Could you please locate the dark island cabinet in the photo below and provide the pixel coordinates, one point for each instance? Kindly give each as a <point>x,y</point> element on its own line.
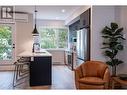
<point>41,71</point>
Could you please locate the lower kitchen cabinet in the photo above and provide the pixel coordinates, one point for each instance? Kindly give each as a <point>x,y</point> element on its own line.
<point>41,71</point>
<point>70,59</point>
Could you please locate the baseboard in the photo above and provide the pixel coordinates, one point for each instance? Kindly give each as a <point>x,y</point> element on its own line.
<point>6,67</point>
<point>57,63</point>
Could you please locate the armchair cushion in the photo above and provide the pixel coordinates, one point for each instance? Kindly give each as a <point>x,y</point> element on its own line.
<point>92,80</point>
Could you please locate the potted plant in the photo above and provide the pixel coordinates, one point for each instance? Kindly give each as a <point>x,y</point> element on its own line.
<point>113,38</point>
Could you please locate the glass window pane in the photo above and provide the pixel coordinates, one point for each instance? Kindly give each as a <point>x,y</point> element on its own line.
<point>5,43</point>
<point>48,38</point>
<point>63,38</point>
<point>53,37</point>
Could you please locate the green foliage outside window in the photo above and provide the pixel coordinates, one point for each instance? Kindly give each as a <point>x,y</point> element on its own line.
<point>62,38</point>
<point>53,37</point>
<point>5,42</point>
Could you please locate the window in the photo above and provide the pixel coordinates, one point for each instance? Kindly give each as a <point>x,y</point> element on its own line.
<point>53,37</point>
<point>5,43</point>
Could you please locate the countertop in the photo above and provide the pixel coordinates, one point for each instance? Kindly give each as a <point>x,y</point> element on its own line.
<point>70,51</point>
<point>37,54</point>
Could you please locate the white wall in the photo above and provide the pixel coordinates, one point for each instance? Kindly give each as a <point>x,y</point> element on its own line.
<point>121,19</point>
<point>51,23</point>
<point>101,16</point>
<point>24,38</point>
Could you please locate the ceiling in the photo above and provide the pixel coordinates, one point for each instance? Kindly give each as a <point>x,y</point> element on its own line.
<point>49,12</point>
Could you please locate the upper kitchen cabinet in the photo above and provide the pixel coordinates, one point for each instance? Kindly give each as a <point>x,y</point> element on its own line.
<point>82,22</point>
<point>85,19</point>
<point>75,26</point>
<point>72,30</point>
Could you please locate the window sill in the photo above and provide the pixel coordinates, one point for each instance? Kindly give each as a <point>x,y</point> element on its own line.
<point>56,49</point>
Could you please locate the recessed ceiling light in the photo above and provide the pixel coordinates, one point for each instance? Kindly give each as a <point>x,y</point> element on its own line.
<point>63,10</point>
<point>57,18</point>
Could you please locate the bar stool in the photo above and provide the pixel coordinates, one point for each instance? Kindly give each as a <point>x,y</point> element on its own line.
<point>21,70</point>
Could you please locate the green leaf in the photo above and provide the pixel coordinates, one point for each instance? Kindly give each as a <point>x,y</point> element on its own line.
<point>106,31</point>
<point>113,44</point>
<point>104,43</point>
<point>106,36</point>
<point>104,47</point>
<point>115,53</point>
<point>108,53</point>
<point>109,63</point>
<point>118,31</point>
<point>121,37</point>
<point>116,61</point>
<point>119,62</point>
<point>120,47</point>
<point>114,26</point>
<point>113,39</point>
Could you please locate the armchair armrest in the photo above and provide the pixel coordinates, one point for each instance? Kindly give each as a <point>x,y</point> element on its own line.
<point>78,75</point>
<point>106,78</point>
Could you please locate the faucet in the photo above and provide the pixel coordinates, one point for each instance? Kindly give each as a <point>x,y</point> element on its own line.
<point>35,48</point>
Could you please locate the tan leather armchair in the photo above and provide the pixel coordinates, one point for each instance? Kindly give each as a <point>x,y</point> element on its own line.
<point>92,75</point>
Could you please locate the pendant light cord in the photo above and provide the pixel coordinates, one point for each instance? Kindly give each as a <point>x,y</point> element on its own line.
<point>35,32</point>
<point>35,14</point>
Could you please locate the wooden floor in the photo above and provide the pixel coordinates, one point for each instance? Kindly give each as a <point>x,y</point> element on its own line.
<point>62,78</point>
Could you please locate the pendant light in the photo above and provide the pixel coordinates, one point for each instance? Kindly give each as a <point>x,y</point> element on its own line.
<point>35,32</point>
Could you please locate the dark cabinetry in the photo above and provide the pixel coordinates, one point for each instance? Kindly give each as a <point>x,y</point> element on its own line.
<point>72,30</point>
<point>85,19</point>
<point>75,26</point>
<point>40,71</point>
<point>81,31</point>
<point>70,59</point>
<point>83,22</point>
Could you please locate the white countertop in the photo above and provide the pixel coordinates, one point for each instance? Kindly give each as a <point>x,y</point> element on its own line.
<point>30,54</point>
<point>70,51</point>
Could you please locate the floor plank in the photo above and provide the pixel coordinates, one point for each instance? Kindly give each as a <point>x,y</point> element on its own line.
<point>62,78</point>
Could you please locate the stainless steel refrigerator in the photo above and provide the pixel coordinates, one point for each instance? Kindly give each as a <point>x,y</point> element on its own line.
<point>82,44</point>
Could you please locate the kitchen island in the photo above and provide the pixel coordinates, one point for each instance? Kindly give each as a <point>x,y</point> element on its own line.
<point>40,67</point>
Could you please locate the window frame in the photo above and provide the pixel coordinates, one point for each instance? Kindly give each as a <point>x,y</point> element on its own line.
<point>57,35</point>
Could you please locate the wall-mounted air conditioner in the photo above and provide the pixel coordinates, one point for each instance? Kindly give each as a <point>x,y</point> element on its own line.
<point>21,17</point>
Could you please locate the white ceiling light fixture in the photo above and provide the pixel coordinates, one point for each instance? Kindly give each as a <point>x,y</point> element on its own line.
<point>57,18</point>
<point>63,10</point>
